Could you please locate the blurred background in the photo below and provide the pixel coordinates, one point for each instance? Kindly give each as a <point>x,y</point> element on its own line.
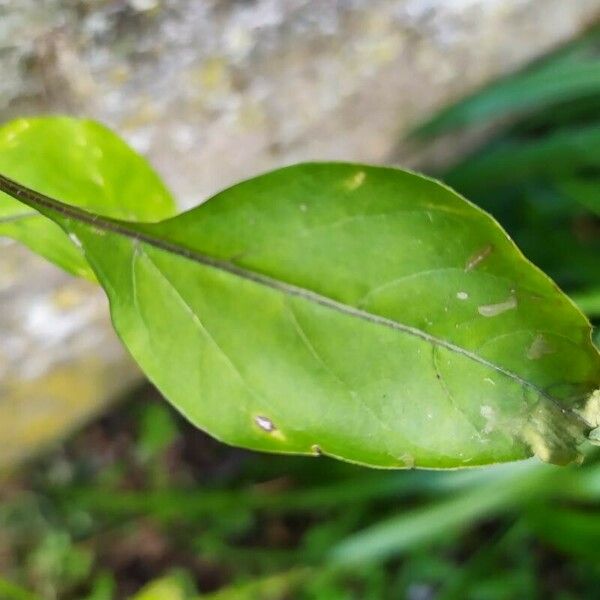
<point>106,493</point>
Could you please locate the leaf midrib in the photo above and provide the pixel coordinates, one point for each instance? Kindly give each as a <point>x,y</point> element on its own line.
<point>37,201</point>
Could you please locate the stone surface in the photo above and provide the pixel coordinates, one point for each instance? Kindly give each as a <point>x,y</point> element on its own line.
<point>212,92</point>
<point>59,360</point>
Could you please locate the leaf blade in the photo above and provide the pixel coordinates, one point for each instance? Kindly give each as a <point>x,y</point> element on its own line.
<point>290,364</point>
<point>85,164</point>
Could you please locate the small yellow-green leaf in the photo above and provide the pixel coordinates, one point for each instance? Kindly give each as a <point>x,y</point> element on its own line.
<point>84,164</point>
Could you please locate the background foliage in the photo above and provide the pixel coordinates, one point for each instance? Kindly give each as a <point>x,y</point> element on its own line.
<point>140,503</point>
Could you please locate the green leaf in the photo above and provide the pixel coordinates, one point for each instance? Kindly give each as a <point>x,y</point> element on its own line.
<point>585,192</point>
<point>570,530</point>
<point>361,312</point>
<point>515,161</point>
<point>11,591</point>
<point>83,163</point>
<point>419,526</point>
<point>170,587</point>
<point>569,75</point>
<point>273,587</point>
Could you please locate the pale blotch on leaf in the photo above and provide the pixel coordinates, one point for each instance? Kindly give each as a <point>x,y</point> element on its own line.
<point>489,414</point>
<point>591,410</point>
<point>303,207</point>
<point>316,450</point>
<point>15,130</point>
<point>355,181</point>
<point>265,423</point>
<point>539,347</point>
<point>98,179</point>
<point>492,310</point>
<point>462,295</point>
<point>478,257</point>
<point>75,240</point>
<point>553,435</point>
<point>538,445</point>
<point>408,460</point>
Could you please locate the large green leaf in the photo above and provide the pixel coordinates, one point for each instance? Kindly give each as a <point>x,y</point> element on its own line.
<point>362,312</point>
<point>83,163</point>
